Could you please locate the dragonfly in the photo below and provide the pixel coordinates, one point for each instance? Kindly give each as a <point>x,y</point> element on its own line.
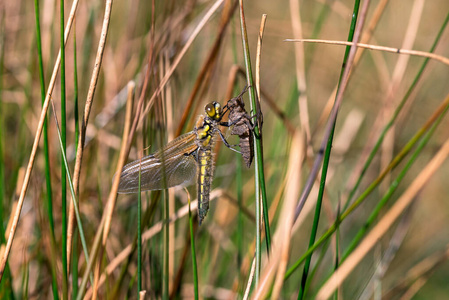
<point>180,160</point>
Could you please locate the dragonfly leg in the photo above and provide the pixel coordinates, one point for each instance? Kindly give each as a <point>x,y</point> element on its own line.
<point>226,142</point>
<point>246,117</point>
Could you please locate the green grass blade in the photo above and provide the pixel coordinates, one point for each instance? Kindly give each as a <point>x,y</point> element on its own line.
<point>166,294</point>
<point>193,250</point>
<point>394,185</point>
<point>259,170</point>
<point>6,284</point>
<point>49,199</point>
<point>337,247</point>
<point>396,160</point>
<point>316,218</point>
<point>75,200</point>
<point>139,238</point>
<point>396,113</point>
<point>75,264</point>
<point>326,160</point>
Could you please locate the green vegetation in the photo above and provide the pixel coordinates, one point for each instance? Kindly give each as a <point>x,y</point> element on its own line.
<point>341,185</point>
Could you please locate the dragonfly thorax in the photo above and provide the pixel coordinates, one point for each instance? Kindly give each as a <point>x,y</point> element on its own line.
<point>205,129</point>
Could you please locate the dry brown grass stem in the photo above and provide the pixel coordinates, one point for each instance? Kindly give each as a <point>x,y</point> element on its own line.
<point>85,120</point>
<point>421,270</point>
<point>121,162</point>
<point>389,102</point>
<point>142,295</point>
<point>300,69</point>
<point>384,225</point>
<point>250,257</point>
<point>204,74</point>
<point>334,113</point>
<point>181,54</point>
<point>259,54</point>
<point>37,137</point>
<point>430,55</point>
<point>366,37</point>
<point>122,159</point>
<point>297,156</point>
<point>258,60</point>
<point>414,288</point>
<point>275,270</point>
<point>250,279</point>
<point>232,77</point>
<point>156,228</point>
<point>238,70</point>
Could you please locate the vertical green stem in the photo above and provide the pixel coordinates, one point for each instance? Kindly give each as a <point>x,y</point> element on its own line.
<point>63,172</point>
<point>193,249</point>
<point>75,263</point>
<point>49,197</point>
<point>337,247</point>
<point>394,185</point>
<point>316,219</point>
<point>6,283</point>
<point>139,237</point>
<point>326,159</point>
<point>259,169</point>
<point>77,133</point>
<point>166,246</point>
<point>391,122</point>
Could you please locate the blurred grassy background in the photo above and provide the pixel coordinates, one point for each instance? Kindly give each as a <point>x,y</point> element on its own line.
<point>219,253</point>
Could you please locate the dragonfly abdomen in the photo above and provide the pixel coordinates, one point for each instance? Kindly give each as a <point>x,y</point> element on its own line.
<point>205,131</point>
<point>205,174</point>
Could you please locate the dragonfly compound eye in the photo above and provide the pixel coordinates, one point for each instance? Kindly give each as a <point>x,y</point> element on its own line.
<point>210,110</point>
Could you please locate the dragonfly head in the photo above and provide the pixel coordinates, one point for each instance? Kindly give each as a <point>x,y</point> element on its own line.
<point>213,110</point>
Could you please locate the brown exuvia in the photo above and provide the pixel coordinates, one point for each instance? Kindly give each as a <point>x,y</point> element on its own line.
<point>242,126</point>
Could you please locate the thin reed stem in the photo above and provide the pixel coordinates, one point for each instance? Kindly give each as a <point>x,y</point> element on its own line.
<point>64,146</point>
<point>49,200</point>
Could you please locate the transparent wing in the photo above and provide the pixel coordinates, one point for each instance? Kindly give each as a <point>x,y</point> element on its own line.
<point>168,167</point>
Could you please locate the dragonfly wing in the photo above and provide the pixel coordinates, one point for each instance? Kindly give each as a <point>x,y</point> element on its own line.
<point>170,166</point>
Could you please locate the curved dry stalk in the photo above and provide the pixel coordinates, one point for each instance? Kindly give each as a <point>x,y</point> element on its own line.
<point>37,137</point>
<point>275,270</point>
<point>434,56</point>
<point>87,109</point>
<point>245,265</point>
<point>189,42</point>
<point>366,37</point>
<point>121,162</point>
<point>258,55</point>
<point>389,102</point>
<point>334,113</point>
<point>382,227</point>
<point>422,270</point>
<point>238,70</point>
<point>250,279</point>
<point>156,228</point>
<point>204,73</point>
<point>300,70</point>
